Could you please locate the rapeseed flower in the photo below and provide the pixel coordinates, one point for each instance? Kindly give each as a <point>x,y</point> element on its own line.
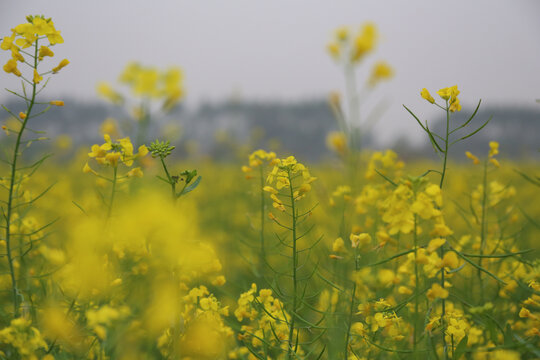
<point>426,95</point>
<point>381,71</point>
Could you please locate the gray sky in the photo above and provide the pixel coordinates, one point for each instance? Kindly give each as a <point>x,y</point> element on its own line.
<point>275,49</point>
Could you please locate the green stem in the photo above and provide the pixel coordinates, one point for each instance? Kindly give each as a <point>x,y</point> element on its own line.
<point>351,308</point>
<point>483,230</point>
<point>443,173</point>
<point>292,352</point>
<point>416,295</point>
<point>441,251</point>
<point>13,173</point>
<point>113,192</point>
<point>144,122</point>
<point>352,101</point>
<point>171,181</point>
<point>263,251</point>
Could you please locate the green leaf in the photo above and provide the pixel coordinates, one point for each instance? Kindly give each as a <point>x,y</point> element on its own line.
<point>460,349</point>
<point>415,117</point>
<point>432,139</point>
<point>461,255</point>
<point>190,187</point>
<point>508,336</point>
<point>468,121</point>
<point>79,206</point>
<point>528,178</point>
<point>474,132</point>
<point>163,179</point>
<point>385,178</point>
<point>189,174</point>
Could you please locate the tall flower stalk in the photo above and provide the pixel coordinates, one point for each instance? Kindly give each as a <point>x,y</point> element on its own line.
<point>162,149</point>
<point>24,44</point>
<point>441,144</point>
<point>112,154</point>
<point>289,182</point>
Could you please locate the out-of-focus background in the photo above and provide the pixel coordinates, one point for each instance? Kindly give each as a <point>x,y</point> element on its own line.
<point>260,70</point>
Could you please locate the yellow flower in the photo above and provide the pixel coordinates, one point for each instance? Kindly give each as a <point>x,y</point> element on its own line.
<point>105,90</point>
<point>440,229</point>
<point>437,291</point>
<point>142,151</point>
<point>57,103</point>
<point>11,67</point>
<point>455,105</point>
<point>426,95</point>
<point>338,245</point>
<point>172,89</point>
<point>60,66</point>
<point>472,157</point>
<point>424,207</point>
<point>22,115</point>
<point>37,77</point>
<point>342,33</point>
<point>334,49</point>
<point>41,26</point>
<point>495,162</point>
<point>450,260</point>
<point>45,51</point>
<point>97,151</point>
<point>112,158</point>
<point>524,313</point>
<point>135,172</point>
<point>493,148</point>
<point>381,71</point>
<point>364,42</point>
<point>7,43</point>
<point>448,93</point>
<point>434,244</point>
<point>270,189</point>
<point>361,239</point>
<point>337,141</point>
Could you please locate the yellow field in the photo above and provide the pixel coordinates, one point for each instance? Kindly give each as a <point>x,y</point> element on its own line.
<point>121,254</point>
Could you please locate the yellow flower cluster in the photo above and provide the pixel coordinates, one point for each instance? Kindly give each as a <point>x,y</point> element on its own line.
<point>355,47</point>
<point>351,49</point>
<point>147,83</point>
<point>386,163</point>
<point>100,318</point>
<point>337,142</point>
<point>282,175</point>
<point>111,152</point>
<point>381,319</point>
<point>493,150</point>
<point>22,336</point>
<point>258,158</point>
<point>532,317</point>
<point>381,71</point>
<point>448,94</point>
<point>268,318</point>
<point>26,35</point>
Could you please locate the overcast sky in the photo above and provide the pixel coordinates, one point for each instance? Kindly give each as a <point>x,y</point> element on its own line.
<point>275,49</point>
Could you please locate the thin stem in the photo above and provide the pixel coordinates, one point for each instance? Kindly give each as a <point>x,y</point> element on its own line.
<point>113,192</point>
<point>171,181</point>
<point>352,101</point>
<point>441,251</point>
<point>144,121</point>
<point>351,308</point>
<point>9,210</point>
<point>292,352</point>
<point>443,173</point>
<point>416,295</point>
<point>483,230</point>
<point>262,251</point>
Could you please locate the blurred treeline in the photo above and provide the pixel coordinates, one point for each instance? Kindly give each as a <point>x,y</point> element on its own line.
<point>225,130</point>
